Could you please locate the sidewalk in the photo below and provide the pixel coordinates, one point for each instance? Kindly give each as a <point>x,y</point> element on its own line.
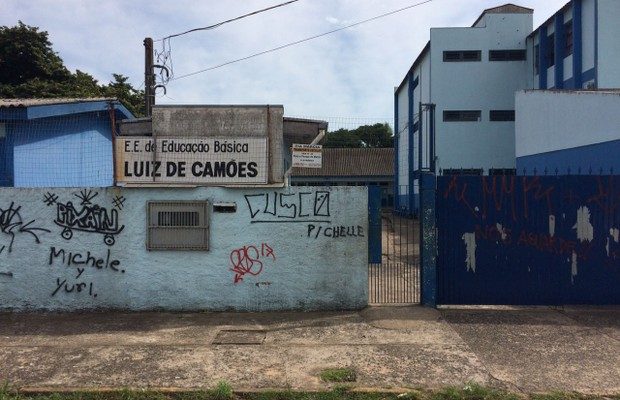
<point>400,347</point>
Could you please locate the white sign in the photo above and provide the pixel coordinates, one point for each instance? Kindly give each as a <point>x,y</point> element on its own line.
<point>201,161</point>
<point>307,155</point>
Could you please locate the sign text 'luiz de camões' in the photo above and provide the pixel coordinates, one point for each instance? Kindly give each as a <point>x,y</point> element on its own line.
<point>200,161</point>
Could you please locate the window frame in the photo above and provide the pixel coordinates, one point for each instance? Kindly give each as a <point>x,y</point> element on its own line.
<point>550,56</point>
<point>463,115</point>
<point>500,115</point>
<point>202,225</point>
<point>507,55</point>
<point>461,55</point>
<point>569,39</point>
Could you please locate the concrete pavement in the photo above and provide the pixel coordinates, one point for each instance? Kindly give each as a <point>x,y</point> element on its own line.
<point>390,347</point>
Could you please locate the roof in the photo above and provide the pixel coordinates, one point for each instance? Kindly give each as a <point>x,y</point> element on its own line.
<point>302,130</point>
<point>25,109</point>
<point>43,102</point>
<point>353,162</point>
<point>508,8</point>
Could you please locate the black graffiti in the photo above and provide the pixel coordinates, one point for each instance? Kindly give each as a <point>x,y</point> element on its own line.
<point>90,218</point>
<point>12,224</point>
<point>118,202</point>
<point>49,198</point>
<point>78,287</point>
<point>289,207</point>
<point>86,196</point>
<point>80,259</point>
<point>335,232</point>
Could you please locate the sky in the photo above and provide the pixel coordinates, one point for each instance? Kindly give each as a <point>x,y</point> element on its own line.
<point>349,75</point>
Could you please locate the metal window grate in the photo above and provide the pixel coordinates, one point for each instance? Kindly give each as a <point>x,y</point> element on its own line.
<point>502,115</point>
<point>462,55</point>
<point>507,55</point>
<point>462,116</point>
<point>177,225</point>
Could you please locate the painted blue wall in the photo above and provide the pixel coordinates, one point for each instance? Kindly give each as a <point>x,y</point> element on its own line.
<point>595,157</point>
<point>66,151</point>
<point>528,240</point>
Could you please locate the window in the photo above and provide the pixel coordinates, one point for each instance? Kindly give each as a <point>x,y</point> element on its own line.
<point>568,38</point>
<point>551,50</point>
<point>177,225</point>
<point>502,115</point>
<point>507,55</point>
<point>462,55</point>
<point>461,116</point>
<point>468,171</point>
<point>536,59</point>
<point>502,171</point>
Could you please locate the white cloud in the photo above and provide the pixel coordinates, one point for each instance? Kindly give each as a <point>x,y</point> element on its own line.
<point>349,73</point>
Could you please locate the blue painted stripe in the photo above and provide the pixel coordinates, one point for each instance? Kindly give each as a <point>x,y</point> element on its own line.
<point>396,151</point>
<point>596,43</point>
<point>591,157</point>
<point>559,51</point>
<point>589,75</point>
<point>577,45</point>
<point>542,58</point>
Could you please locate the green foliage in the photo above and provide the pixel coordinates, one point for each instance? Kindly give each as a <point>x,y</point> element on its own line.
<point>30,68</point>
<point>377,135</point>
<point>338,375</point>
<point>222,391</point>
<point>473,391</point>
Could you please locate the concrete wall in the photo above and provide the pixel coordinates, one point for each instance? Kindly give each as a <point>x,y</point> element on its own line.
<point>459,85</point>
<point>560,129</point>
<point>297,261</point>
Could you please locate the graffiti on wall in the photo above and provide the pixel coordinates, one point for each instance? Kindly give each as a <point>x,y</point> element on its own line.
<point>250,260</point>
<point>78,262</point>
<point>13,225</point>
<point>87,216</point>
<point>299,207</point>
<point>533,229</point>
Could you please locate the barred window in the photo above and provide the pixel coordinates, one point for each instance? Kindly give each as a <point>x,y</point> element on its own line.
<point>502,115</point>
<point>507,55</point>
<point>462,115</point>
<point>462,55</point>
<point>177,225</point>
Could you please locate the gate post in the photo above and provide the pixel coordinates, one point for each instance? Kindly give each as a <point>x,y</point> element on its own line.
<point>428,240</point>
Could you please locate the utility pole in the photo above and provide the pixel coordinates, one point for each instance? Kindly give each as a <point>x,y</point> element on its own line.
<point>149,76</point>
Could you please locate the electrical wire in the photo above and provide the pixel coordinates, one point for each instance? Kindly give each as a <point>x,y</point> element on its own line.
<point>205,28</point>
<point>299,41</point>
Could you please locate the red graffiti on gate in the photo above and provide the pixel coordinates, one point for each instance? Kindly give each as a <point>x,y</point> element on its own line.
<point>247,260</point>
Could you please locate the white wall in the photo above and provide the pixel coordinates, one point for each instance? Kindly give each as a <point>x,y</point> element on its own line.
<point>556,120</point>
<point>588,35</point>
<point>481,86</point>
<point>609,44</point>
<point>403,139</point>
<point>301,269</point>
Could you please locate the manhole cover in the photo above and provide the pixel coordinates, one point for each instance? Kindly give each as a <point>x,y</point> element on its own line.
<point>240,336</point>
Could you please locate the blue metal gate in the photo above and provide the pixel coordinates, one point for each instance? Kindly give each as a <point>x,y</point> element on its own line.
<point>528,240</point>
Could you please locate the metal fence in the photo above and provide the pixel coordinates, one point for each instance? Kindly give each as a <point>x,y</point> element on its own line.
<point>394,266</point>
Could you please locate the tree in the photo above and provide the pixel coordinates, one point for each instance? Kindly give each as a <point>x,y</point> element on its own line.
<point>377,135</point>
<point>29,67</point>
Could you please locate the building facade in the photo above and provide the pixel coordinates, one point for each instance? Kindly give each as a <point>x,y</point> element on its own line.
<point>563,132</point>
<point>577,48</point>
<point>470,75</point>
<point>58,142</point>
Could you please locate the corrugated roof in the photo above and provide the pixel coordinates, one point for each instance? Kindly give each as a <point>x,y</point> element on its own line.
<point>508,8</point>
<point>47,102</point>
<point>352,162</point>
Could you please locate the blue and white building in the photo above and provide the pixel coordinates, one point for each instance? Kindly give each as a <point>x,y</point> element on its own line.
<point>58,142</point>
<point>577,48</point>
<point>471,75</point>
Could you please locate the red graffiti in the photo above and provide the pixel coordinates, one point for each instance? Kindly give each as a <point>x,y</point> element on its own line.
<point>505,193</point>
<point>460,194</point>
<point>247,260</point>
<point>534,185</point>
<point>605,198</point>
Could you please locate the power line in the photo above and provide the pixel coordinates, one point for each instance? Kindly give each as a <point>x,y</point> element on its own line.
<point>300,41</point>
<point>228,20</point>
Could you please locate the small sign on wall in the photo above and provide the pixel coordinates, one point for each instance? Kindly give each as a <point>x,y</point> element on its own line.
<point>307,155</point>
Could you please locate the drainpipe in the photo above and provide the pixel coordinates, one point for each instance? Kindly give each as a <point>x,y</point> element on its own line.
<point>287,174</point>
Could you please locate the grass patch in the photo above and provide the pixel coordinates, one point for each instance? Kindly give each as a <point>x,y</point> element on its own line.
<point>222,391</point>
<point>338,375</point>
